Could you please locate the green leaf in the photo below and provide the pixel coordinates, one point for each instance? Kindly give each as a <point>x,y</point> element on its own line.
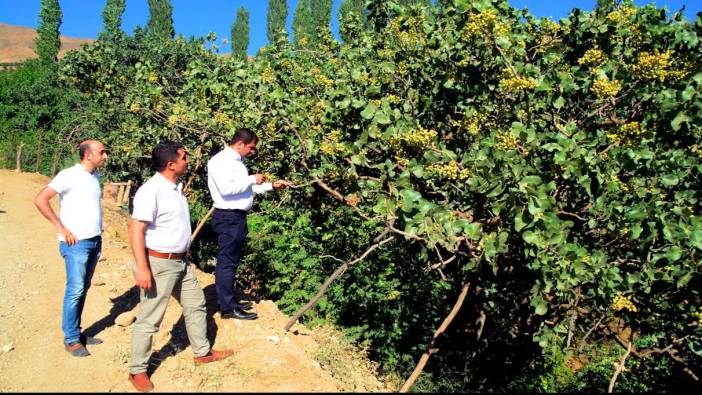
<point>369,111</point>
<point>680,118</point>
<point>670,180</point>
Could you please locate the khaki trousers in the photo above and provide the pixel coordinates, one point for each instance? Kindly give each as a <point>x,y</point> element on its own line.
<point>169,277</point>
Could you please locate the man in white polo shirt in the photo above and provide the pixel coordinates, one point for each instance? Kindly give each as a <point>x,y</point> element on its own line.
<point>232,190</point>
<point>160,236</point>
<point>79,227</point>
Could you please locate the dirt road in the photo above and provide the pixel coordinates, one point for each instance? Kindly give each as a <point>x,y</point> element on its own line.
<point>32,357</point>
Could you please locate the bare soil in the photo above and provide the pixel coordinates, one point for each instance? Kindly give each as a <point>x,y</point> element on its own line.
<point>32,356</point>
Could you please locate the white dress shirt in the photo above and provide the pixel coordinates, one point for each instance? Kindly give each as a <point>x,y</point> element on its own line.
<point>161,203</point>
<point>229,181</point>
<point>79,195</point>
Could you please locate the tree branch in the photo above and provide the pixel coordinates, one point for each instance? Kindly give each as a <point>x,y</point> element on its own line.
<point>339,271</point>
<point>620,369</point>
<point>431,349</point>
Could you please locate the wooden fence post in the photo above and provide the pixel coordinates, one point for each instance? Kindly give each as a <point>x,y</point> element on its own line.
<point>18,167</point>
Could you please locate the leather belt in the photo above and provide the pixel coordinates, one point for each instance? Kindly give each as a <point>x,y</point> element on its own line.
<point>170,255</point>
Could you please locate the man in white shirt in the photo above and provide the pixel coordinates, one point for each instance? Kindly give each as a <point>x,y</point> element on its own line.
<point>160,236</point>
<point>232,190</point>
<point>79,227</point>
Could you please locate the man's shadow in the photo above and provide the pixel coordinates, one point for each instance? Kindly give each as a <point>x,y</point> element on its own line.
<point>121,304</point>
<point>179,334</point>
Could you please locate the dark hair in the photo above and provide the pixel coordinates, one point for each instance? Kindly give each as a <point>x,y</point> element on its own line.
<point>83,149</point>
<point>163,153</point>
<point>244,135</point>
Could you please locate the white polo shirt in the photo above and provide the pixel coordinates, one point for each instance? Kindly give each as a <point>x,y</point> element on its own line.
<point>79,196</point>
<point>161,203</point>
<point>229,181</point>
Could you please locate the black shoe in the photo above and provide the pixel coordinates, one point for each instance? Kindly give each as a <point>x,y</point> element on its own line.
<point>244,305</point>
<point>240,314</point>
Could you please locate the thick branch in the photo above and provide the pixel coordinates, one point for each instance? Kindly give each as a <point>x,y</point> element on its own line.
<point>431,349</point>
<point>619,370</point>
<point>201,224</point>
<point>339,271</point>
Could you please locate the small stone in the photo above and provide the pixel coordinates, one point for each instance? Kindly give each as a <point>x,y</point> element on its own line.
<point>98,283</point>
<point>126,319</point>
<point>274,339</point>
<point>8,347</point>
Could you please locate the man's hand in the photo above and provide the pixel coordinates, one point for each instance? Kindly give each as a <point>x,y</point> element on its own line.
<point>67,235</point>
<point>260,178</point>
<point>280,184</point>
<point>143,277</point>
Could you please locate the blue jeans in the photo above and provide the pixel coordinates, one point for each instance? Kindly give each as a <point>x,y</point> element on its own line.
<point>81,259</point>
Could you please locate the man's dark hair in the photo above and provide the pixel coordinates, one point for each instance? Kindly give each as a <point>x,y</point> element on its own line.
<point>245,135</point>
<point>83,150</point>
<point>163,153</point>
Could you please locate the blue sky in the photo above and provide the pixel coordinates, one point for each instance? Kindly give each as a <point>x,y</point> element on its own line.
<point>83,18</point>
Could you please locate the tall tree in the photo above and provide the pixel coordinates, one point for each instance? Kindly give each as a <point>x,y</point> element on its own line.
<point>275,20</point>
<point>240,34</point>
<point>161,18</point>
<point>320,15</point>
<point>301,23</point>
<point>112,19</point>
<point>48,42</point>
<point>347,9</point>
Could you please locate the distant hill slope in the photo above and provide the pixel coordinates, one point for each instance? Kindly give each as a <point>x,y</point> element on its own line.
<point>17,43</point>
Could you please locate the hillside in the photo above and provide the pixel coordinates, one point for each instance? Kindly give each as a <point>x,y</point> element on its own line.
<point>17,43</point>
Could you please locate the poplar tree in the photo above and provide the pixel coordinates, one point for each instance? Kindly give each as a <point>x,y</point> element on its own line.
<point>48,42</point>
<point>348,8</point>
<point>301,23</point>
<point>275,19</point>
<point>161,18</point>
<point>240,34</point>
<point>320,16</point>
<point>112,19</point>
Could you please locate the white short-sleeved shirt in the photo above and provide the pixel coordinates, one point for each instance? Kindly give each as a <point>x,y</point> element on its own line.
<point>161,203</point>
<point>79,196</point>
<point>229,181</point>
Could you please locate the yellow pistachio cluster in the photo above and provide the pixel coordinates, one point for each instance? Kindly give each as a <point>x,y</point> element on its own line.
<point>517,84</point>
<point>299,90</point>
<point>654,66</point>
<point>286,64</point>
<point>315,70</point>
<point>449,171</point>
<point>550,26</point>
<point>178,114</point>
<point>484,24</point>
<point>627,133</point>
<point>623,303</point>
<point>698,315</point>
<point>330,144</point>
<point>420,137</point>
<point>593,56</point>
<point>152,77</point>
<point>376,102</point>
<point>505,141</point>
<point>696,150</point>
<point>385,53</point>
<point>394,99</point>
<point>267,76</point>
<point>604,88</point>
<point>222,118</point>
<point>622,14</point>
<point>615,179</point>
<point>472,124</point>
<point>323,80</point>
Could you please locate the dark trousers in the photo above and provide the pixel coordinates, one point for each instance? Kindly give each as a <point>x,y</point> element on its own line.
<point>230,226</point>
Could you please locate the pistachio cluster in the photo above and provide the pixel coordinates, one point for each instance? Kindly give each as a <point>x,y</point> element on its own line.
<point>448,171</point>
<point>623,303</point>
<point>505,141</point>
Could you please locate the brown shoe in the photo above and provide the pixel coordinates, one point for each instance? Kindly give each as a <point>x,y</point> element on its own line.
<point>213,355</point>
<point>141,382</point>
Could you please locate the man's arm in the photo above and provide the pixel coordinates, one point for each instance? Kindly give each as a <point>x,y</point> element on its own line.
<point>42,203</point>
<point>230,184</point>
<point>137,230</point>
